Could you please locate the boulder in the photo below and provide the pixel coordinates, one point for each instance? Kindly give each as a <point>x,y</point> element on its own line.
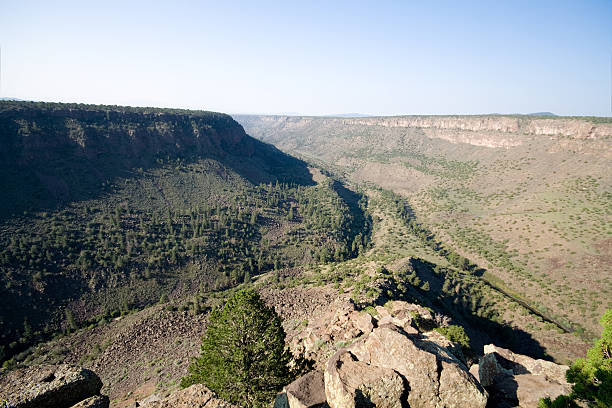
<point>97,401</point>
<point>48,386</point>
<point>474,371</point>
<point>195,396</point>
<point>515,379</point>
<point>530,388</point>
<point>489,369</point>
<point>363,321</point>
<point>350,383</point>
<point>307,391</point>
<point>520,364</point>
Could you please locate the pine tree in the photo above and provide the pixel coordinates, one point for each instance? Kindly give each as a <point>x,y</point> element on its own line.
<point>244,358</point>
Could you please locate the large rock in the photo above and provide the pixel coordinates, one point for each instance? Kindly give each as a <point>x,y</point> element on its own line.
<point>520,364</point>
<point>489,369</point>
<point>435,378</point>
<point>350,383</point>
<point>307,391</point>
<point>196,396</point>
<point>518,380</point>
<point>48,386</point>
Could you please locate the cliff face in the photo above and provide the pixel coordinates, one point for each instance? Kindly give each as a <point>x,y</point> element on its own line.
<point>489,131</point>
<point>52,153</point>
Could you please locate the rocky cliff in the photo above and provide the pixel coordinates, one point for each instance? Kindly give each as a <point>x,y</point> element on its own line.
<point>52,153</point>
<point>488,130</point>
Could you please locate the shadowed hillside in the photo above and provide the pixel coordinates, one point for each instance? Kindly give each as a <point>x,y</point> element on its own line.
<point>57,153</point>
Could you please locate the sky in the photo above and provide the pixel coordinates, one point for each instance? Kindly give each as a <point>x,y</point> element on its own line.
<point>313,57</point>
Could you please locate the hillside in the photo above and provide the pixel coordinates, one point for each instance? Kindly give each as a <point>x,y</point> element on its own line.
<point>526,198</point>
<point>108,209</point>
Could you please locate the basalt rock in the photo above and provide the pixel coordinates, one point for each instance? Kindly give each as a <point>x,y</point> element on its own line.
<point>50,386</point>
<point>307,391</point>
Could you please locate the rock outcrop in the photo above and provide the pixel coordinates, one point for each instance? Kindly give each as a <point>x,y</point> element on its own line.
<point>391,361</point>
<point>196,396</point>
<point>51,386</point>
<point>352,383</point>
<point>517,380</point>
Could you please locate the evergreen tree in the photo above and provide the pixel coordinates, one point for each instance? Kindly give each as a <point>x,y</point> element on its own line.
<point>244,358</point>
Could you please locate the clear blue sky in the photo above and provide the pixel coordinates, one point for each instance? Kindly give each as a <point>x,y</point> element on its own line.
<point>313,57</point>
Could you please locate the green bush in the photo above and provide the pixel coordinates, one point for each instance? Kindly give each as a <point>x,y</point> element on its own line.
<point>591,376</point>
<point>455,334</point>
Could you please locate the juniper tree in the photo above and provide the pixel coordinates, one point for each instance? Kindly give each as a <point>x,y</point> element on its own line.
<point>243,359</point>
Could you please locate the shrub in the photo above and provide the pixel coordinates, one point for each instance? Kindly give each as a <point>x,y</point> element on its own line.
<point>455,334</point>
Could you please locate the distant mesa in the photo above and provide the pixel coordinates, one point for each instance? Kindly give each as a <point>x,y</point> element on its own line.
<point>541,114</point>
<point>350,115</point>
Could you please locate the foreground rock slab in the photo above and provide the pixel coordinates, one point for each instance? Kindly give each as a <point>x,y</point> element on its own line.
<point>435,377</point>
<point>50,386</point>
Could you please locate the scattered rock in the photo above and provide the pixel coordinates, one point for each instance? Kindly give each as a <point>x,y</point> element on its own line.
<point>49,386</point>
<point>363,321</point>
<point>196,396</point>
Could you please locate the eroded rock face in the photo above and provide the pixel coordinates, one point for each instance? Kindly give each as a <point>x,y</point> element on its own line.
<point>518,380</point>
<point>50,386</point>
<point>351,383</point>
<point>196,396</point>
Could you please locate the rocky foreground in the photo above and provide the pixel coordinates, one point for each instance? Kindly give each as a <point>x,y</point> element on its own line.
<point>390,357</point>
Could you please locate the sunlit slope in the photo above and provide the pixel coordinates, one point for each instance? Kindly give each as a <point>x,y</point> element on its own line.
<point>529,198</point>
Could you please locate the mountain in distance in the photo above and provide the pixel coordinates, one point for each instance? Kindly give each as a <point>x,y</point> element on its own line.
<point>349,115</point>
<point>541,114</point>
